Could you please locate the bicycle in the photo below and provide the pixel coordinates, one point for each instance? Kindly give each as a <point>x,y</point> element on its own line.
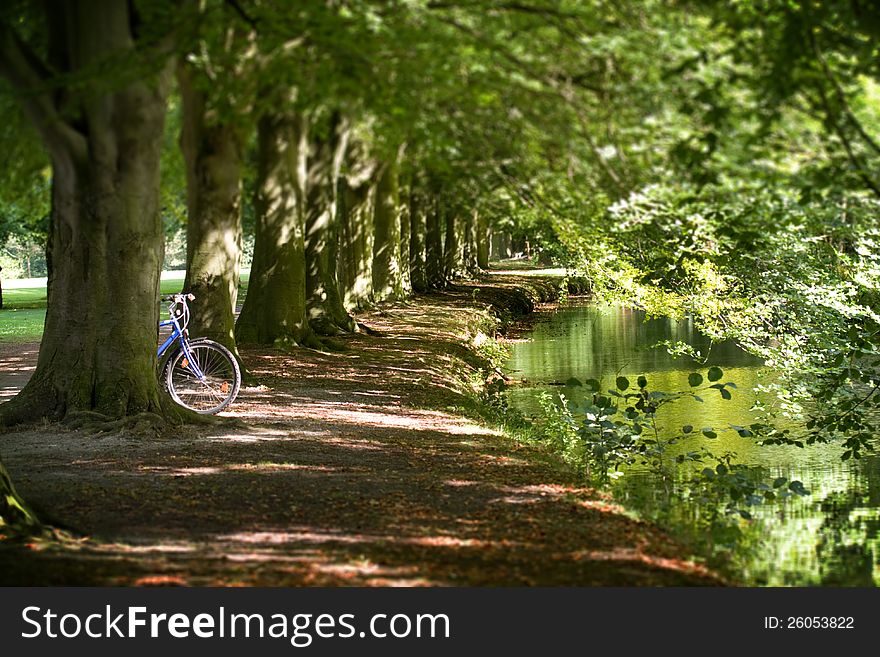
<point>201,375</point>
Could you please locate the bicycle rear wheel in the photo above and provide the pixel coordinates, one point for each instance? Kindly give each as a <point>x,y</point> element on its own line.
<point>215,389</point>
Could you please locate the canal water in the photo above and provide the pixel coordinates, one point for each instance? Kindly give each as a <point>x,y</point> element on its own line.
<point>829,537</point>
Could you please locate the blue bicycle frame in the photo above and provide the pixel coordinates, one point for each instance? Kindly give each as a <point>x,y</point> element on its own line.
<point>178,332</point>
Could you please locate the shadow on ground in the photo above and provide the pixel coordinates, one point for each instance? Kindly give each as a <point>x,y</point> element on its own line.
<point>341,470</point>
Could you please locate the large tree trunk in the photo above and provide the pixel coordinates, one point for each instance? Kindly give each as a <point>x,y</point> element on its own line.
<point>469,244</point>
<point>355,270</point>
<point>417,229</point>
<point>434,244</point>
<point>212,152</point>
<point>326,312</point>
<point>387,270</point>
<point>274,309</point>
<point>105,245</point>
<point>484,239</point>
<point>404,242</point>
<point>452,260</point>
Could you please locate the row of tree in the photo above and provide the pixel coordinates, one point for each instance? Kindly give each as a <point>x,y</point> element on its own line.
<point>709,158</point>
<point>352,136</point>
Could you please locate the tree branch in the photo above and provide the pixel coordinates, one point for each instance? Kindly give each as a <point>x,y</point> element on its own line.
<point>30,79</point>
<point>834,120</point>
<point>841,98</point>
<point>247,18</point>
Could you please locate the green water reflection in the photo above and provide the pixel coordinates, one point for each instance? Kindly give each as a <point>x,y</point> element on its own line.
<point>830,537</point>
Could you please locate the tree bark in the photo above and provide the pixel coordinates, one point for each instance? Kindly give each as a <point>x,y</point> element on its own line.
<point>387,269</point>
<point>326,312</point>
<point>403,246</point>
<point>212,152</point>
<point>469,244</point>
<point>356,242</point>
<point>484,239</point>
<point>274,309</point>
<point>452,260</point>
<point>434,244</point>
<point>106,241</point>
<point>417,229</point>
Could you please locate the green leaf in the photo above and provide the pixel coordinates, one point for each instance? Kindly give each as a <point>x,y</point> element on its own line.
<point>574,382</point>
<point>709,433</point>
<point>714,373</point>
<point>643,382</point>
<point>721,469</point>
<point>779,481</point>
<point>593,385</point>
<point>725,394</point>
<point>687,428</point>
<point>695,379</point>
<point>622,383</point>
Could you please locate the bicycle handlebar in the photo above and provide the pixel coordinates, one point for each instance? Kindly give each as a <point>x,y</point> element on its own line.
<point>178,297</point>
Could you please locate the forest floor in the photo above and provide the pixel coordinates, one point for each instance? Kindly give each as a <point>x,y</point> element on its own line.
<point>354,467</point>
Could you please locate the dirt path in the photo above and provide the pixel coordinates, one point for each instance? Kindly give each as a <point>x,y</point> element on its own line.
<point>349,468</point>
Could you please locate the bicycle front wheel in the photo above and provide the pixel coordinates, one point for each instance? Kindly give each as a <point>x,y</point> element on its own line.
<point>206,380</point>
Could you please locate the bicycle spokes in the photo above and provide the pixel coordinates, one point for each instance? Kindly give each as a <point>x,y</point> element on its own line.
<point>205,381</point>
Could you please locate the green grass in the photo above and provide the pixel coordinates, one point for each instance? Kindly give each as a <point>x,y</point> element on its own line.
<point>21,324</point>
<point>24,308</point>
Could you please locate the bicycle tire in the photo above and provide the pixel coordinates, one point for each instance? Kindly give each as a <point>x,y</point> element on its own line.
<point>216,391</point>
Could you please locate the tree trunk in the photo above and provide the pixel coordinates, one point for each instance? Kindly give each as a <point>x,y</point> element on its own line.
<point>403,246</point>
<point>355,271</point>
<point>484,239</point>
<point>387,270</point>
<point>452,246</point>
<point>274,309</point>
<point>212,152</point>
<point>417,229</point>
<point>327,314</point>
<point>469,244</point>
<point>106,241</point>
<point>501,246</point>
<point>434,244</point>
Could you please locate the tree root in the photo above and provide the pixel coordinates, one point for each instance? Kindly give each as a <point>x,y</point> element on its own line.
<point>329,344</point>
<point>138,424</point>
<point>363,328</point>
